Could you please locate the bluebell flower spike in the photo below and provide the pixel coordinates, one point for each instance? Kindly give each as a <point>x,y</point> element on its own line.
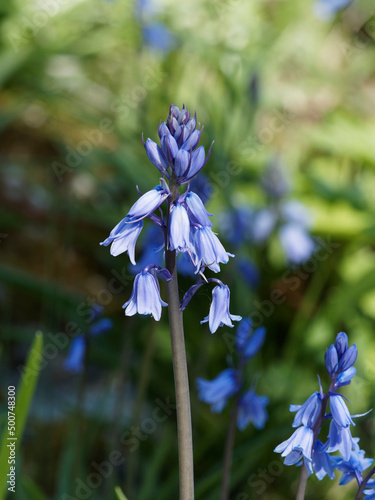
<point>187,225</point>
<point>339,360</point>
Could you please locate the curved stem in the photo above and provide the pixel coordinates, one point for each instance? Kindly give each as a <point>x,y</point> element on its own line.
<point>184,429</point>
<point>362,486</point>
<point>228,453</point>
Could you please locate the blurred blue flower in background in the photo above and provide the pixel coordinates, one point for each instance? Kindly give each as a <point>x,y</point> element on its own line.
<point>274,180</point>
<point>252,410</point>
<point>76,355</point>
<point>155,33</point>
<point>296,242</point>
<point>158,36</point>
<point>263,223</point>
<point>249,342</point>
<point>289,218</point>
<point>202,186</point>
<point>74,361</point>
<point>248,271</point>
<point>326,9</point>
<point>236,224</point>
<point>216,392</point>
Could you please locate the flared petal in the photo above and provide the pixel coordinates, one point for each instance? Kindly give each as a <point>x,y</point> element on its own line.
<point>197,162</point>
<point>197,210</point>
<point>219,309</point>
<point>181,162</point>
<point>179,229</point>
<point>156,156</point>
<point>339,410</point>
<point>126,240</point>
<point>147,204</point>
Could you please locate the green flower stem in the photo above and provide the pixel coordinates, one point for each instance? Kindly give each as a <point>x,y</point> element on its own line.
<point>302,483</point>
<point>181,382</point>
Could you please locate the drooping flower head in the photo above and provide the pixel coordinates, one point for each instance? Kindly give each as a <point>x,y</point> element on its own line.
<point>252,409</point>
<point>145,298</point>
<point>219,311</point>
<point>298,446</point>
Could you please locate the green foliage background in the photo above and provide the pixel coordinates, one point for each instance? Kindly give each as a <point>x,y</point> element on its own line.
<point>80,72</point>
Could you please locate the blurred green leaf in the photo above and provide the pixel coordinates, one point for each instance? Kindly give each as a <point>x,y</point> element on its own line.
<point>119,493</point>
<point>32,490</point>
<point>24,395</point>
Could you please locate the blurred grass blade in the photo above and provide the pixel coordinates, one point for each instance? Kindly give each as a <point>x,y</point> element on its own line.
<point>151,473</point>
<point>120,495</point>
<point>24,395</point>
<point>32,490</point>
<point>10,63</point>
